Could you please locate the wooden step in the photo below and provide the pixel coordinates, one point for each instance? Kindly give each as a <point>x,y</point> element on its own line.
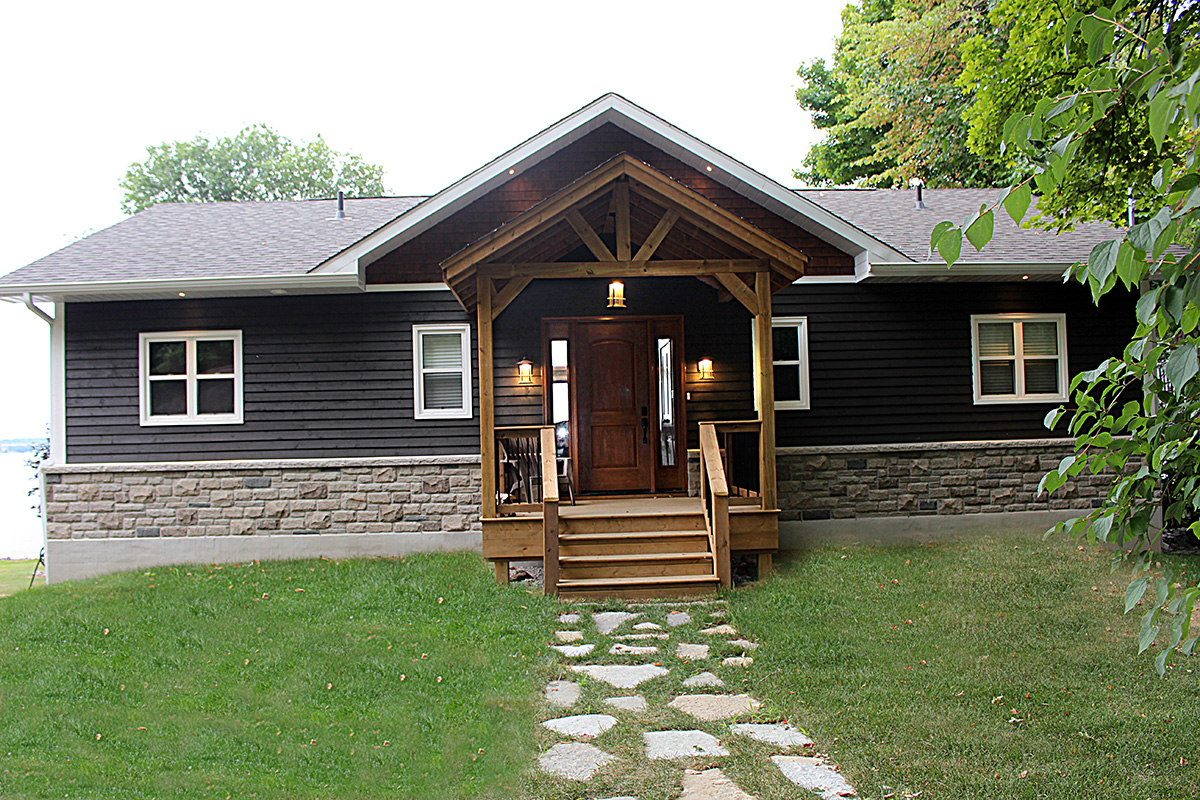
<point>585,544</point>
<point>630,523</point>
<point>635,565</point>
<point>638,587</point>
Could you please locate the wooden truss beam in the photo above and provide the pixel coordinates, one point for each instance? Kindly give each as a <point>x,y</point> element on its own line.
<point>623,269</point>
<point>505,296</point>
<point>589,236</point>
<point>740,291</point>
<point>621,199</point>
<point>657,235</point>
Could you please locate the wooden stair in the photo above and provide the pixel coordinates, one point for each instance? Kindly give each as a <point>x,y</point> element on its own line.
<point>651,556</point>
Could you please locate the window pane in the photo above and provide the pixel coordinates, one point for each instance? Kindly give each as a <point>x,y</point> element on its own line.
<point>1040,338</point>
<point>560,405</point>
<point>1041,376</point>
<point>214,357</point>
<point>996,339</point>
<point>787,382</point>
<point>214,397</point>
<point>997,377</point>
<point>441,351</point>
<point>558,360</point>
<point>168,358</point>
<point>168,397</point>
<point>443,391</point>
<point>786,341</point>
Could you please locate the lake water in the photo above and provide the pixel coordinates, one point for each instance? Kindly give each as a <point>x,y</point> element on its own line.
<point>20,527</point>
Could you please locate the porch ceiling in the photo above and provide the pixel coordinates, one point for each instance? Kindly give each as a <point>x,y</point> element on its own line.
<point>624,219</point>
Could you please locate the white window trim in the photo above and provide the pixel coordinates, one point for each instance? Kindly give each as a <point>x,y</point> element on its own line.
<point>419,410</point>
<point>191,378</point>
<point>1020,396</point>
<point>805,401</point>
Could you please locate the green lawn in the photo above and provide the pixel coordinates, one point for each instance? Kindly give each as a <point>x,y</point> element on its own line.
<point>14,575</point>
<point>307,679</point>
<point>997,668</point>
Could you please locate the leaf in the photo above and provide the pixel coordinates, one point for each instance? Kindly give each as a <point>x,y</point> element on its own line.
<point>1017,201</point>
<point>1145,234</point>
<point>1161,107</point>
<point>1181,367</point>
<point>1148,632</point>
<point>979,232</point>
<point>949,246</point>
<point>1101,527</point>
<point>1146,306</point>
<point>1134,593</point>
<point>1062,107</point>
<point>1103,259</point>
<point>1160,663</point>
<point>938,230</point>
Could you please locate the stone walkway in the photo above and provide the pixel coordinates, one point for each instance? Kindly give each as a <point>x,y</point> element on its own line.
<point>642,700</point>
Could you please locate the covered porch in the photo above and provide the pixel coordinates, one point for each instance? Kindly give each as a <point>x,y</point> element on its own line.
<point>595,479</point>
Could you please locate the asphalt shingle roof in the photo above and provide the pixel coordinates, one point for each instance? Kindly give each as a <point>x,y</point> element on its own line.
<point>890,216</point>
<point>194,240</point>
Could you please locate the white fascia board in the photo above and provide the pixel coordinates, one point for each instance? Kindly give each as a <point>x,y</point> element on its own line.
<point>193,287</point>
<point>963,271</point>
<point>610,108</point>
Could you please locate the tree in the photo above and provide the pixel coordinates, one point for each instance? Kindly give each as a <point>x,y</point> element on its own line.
<point>256,164</point>
<point>891,103</point>
<point>1130,111</point>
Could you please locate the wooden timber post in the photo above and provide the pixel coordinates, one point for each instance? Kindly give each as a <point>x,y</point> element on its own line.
<point>487,403</point>
<point>764,362</point>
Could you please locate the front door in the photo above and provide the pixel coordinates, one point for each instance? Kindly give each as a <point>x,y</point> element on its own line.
<point>614,406</point>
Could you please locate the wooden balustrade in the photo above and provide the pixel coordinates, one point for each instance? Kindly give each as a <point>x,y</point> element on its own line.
<point>726,433</point>
<point>549,509</point>
<point>714,498</point>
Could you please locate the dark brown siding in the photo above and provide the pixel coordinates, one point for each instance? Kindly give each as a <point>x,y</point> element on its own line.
<point>327,376</point>
<point>892,362</point>
<point>418,259</point>
<point>720,331</point>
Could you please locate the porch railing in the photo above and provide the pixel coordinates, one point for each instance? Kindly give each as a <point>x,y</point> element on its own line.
<point>526,472</point>
<point>742,461</point>
<point>714,499</point>
<point>549,511</point>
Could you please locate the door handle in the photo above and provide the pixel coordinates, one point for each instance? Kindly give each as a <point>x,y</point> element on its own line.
<point>645,425</point>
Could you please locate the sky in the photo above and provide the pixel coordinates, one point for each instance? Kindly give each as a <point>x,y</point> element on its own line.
<point>430,91</point>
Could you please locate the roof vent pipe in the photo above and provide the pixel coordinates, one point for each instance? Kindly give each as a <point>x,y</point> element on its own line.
<point>341,212</point>
<point>919,185</point>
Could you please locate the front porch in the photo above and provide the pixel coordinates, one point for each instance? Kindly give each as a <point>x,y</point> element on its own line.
<point>617,403</point>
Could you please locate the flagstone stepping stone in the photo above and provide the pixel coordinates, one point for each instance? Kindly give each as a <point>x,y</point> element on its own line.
<point>569,636</point>
<point>677,618</point>
<point>609,621</point>
<point>568,619</point>
<point>647,626</point>
<point>815,775</point>
<point>745,644</point>
<point>691,652</point>
<point>573,650</point>
<point>682,744</point>
<point>562,693</point>
<point>622,676</point>
<point>726,630</point>
<point>622,797</point>
<point>622,649</point>
<point>703,679</point>
<point>780,733</point>
<point>633,702</point>
<point>710,707</point>
<point>581,726</point>
<point>737,661</point>
<point>573,760</point>
<point>720,612</point>
<point>629,637</point>
<point>711,784</point>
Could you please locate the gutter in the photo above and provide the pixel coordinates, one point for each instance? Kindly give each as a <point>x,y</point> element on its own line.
<point>930,270</point>
<point>62,291</point>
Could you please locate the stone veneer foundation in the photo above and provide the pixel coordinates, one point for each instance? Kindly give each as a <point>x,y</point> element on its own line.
<point>927,479</point>
<point>339,507</point>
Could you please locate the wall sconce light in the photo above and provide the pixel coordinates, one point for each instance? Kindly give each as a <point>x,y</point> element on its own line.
<point>706,369</point>
<point>525,372</point>
<point>616,295</point>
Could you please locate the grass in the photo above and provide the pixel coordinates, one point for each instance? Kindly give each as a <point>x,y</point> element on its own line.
<point>306,679</point>
<point>996,667</point>
<point>15,574</point>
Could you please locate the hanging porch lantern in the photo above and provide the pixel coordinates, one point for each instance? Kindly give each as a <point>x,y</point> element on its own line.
<point>616,295</point>
<point>706,369</point>
<point>525,372</point>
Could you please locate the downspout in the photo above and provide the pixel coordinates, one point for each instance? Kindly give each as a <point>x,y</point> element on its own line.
<point>57,410</point>
<point>27,298</point>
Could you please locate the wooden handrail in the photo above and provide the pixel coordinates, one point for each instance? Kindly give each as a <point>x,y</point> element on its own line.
<point>518,431</point>
<point>714,498</point>
<point>548,453</point>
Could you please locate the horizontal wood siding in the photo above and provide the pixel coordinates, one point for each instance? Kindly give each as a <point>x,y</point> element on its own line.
<point>327,376</point>
<point>892,362</point>
<point>418,259</point>
<point>720,331</point>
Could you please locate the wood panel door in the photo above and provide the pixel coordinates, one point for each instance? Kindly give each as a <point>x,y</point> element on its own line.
<point>614,407</point>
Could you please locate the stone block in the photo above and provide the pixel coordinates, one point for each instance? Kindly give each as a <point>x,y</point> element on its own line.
<point>312,490</point>
<point>221,498</point>
<point>952,505</point>
<point>256,483</point>
<point>384,475</point>
<point>391,513</point>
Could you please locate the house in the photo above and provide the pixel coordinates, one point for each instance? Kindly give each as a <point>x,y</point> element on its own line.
<point>614,348</point>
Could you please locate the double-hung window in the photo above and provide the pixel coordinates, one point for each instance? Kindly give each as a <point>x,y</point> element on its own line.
<point>789,345</point>
<point>1019,358</point>
<point>192,378</point>
<point>442,371</point>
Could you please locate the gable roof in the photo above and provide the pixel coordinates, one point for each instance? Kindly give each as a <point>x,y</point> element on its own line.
<point>891,215</point>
